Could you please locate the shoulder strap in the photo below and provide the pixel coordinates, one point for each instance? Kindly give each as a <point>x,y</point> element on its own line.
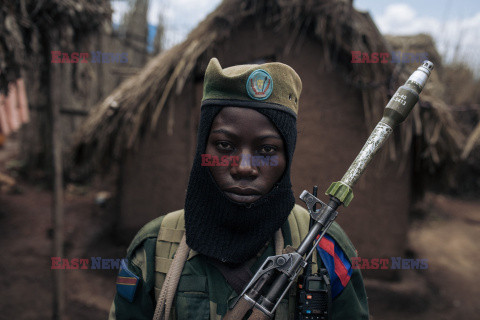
<point>167,294</point>
<point>169,236</point>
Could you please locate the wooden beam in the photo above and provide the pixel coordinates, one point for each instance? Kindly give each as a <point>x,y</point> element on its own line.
<point>55,101</point>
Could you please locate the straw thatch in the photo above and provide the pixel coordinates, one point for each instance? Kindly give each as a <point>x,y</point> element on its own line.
<point>133,110</point>
<point>23,24</point>
<point>29,31</point>
<point>420,43</point>
<point>135,107</point>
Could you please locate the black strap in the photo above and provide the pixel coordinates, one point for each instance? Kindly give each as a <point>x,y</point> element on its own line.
<point>237,276</point>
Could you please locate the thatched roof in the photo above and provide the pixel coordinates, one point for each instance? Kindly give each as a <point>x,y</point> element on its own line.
<point>133,109</point>
<point>416,44</point>
<point>24,22</point>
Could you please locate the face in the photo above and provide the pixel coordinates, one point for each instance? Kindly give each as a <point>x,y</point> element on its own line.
<point>253,140</point>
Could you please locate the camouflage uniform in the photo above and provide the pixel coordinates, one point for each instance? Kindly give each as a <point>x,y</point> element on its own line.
<point>203,292</point>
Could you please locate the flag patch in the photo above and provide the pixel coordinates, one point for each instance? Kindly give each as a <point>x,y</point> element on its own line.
<point>338,266</point>
<point>127,282</point>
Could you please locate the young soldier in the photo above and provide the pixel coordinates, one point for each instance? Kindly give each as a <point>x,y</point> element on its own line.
<point>235,215</point>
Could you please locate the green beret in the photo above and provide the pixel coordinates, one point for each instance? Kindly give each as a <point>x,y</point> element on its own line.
<point>271,85</point>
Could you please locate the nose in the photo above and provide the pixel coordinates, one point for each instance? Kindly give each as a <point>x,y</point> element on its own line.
<point>245,168</point>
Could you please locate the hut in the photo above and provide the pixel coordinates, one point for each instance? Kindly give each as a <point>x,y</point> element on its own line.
<point>30,31</point>
<point>146,128</point>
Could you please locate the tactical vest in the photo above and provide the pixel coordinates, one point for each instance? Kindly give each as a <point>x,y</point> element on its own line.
<point>195,298</point>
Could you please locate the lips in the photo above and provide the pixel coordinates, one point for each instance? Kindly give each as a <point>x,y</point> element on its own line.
<point>243,195</point>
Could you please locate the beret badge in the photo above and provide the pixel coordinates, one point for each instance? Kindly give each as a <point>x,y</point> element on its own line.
<point>259,85</point>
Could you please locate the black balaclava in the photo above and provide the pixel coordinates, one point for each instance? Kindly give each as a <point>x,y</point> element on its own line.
<point>217,226</point>
<point>226,230</point>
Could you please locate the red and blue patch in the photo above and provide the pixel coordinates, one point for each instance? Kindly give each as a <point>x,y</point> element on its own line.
<point>127,282</point>
<point>338,266</point>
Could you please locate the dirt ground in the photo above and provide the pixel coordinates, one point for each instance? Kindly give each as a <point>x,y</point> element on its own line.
<point>447,235</point>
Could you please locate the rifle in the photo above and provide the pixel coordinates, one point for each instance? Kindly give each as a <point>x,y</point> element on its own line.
<point>276,275</point>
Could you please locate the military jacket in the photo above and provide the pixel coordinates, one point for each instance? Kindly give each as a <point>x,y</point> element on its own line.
<point>203,292</point>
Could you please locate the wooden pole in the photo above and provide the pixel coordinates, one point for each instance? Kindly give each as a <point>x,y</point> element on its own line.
<point>55,93</point>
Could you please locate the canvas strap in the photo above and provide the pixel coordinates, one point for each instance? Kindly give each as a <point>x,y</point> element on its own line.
<point>165,299</point>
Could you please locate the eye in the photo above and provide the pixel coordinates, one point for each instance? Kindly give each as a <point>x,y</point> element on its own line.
<point>267,149</point>
<point>224,146</point>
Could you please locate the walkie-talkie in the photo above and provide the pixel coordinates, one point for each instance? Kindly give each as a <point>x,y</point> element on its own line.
<point>314,298</point>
